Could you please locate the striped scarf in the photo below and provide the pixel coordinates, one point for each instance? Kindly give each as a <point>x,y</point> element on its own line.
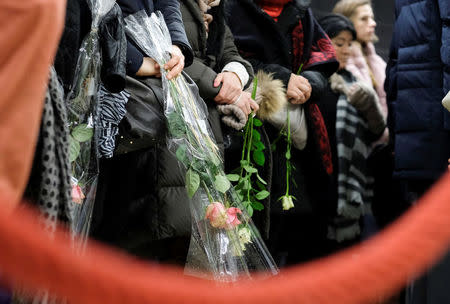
<point>355,184</point>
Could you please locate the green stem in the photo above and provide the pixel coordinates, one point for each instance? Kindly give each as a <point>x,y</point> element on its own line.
<point>245,145</point>
<point>299,69</point>
<point>288,149</point>
<point>210,198</point>
<point>249,146</point>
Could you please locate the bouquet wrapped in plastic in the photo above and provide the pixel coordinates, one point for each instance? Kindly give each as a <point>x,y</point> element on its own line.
<point>82,108</point>
<point>225,244</point>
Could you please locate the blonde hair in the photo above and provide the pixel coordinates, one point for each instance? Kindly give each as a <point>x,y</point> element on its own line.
<point>348,7</point>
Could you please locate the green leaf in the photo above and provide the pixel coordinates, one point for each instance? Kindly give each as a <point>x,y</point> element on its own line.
<point>257,206</point>
<point>215,160</point>
<point>246,185</point>
<point>176,126</point>
<point>240,195</point>
<point>233,177</point>
<point>244,163</point>
<point>250,169</point>
<point>249,210</point>
<point>255,87</point>
<point>288,154</point>
<point>245,204</point>
<point>222,183</point>
<point>257,122</point>
<point>256,136</point>
<point>181,153</point>
<point>192,182</point>
<point>82,133</point>
<point>259,145</point>
<point>74,149</point>
<point>261,180</point>
<point>262,195</point>
<point>259,158</point>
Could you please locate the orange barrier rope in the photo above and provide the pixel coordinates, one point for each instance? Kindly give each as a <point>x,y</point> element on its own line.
<point>378,267</point>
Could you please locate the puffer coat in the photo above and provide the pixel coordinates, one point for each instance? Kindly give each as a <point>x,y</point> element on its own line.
<point>418,77</point>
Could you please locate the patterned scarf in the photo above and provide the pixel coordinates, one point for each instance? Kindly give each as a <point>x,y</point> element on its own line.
<point>321,51</point>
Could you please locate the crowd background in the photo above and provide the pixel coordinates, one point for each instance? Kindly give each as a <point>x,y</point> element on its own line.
<point>384,16</point>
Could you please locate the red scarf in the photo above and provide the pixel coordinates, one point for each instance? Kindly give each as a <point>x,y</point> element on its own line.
<point>273,8</point>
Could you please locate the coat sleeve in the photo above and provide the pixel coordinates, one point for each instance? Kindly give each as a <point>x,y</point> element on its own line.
<point>318,82</point>
<point>390,84</point>
<point>172,15</point>
<point>231,54</point>
<point>24,26</point>
<point>203,76</point>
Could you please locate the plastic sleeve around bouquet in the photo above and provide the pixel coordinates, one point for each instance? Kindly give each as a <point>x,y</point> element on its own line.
<point>82,108</point>
<point>225,244</point>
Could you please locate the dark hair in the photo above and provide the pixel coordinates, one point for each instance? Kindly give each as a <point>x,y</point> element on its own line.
<point>333,24</point>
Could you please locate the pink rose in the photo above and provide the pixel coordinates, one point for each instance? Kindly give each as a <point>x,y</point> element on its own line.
<point>77,194</point>
<point>216,214</point>
<point>232,218</point>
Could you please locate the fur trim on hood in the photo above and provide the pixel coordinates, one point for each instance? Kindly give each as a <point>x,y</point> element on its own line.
<point>270,95</point>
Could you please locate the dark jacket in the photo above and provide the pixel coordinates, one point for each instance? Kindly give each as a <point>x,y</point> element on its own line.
<point>210,54</point>
<point>418,76</point>
<point>171,12</point>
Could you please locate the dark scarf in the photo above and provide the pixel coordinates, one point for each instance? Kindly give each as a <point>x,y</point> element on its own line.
<point>317,51</point>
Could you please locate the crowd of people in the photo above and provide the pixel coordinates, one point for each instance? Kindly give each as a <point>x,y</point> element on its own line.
<point>354,140</point>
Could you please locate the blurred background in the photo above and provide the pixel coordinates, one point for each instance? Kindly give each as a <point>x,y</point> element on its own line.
<point>384,16</point>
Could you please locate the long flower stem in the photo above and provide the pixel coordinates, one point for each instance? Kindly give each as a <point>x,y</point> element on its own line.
<point>288,150</point>
<point>210,198</point>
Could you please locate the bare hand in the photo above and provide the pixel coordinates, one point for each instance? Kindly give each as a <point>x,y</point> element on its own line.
<point>298,90</point>
<point>176,64</point>
<point>149,67</point>
<point>246,103</point>
<point>231,87</point>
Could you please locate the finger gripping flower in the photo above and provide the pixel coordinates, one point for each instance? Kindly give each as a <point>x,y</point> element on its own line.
<point>217,215</point>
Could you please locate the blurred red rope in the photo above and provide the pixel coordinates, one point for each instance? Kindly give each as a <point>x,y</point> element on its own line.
<point>378,267</point>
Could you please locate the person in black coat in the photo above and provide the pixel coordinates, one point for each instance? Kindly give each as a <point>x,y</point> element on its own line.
<point>140,205</point>
<point>282,37</point>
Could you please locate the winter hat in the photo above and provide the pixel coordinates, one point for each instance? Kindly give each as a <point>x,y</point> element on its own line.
<point>333,24</point>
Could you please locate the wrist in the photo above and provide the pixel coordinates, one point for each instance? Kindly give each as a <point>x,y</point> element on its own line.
<point>239,70</point>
